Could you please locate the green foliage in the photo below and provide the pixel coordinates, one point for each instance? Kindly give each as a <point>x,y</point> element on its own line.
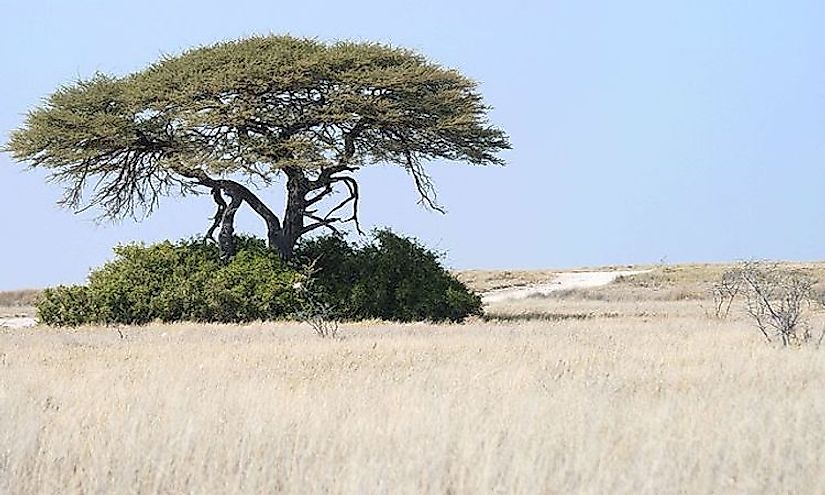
<point>66,306</point>
<point>253,286</point>
<point>253,107</point>
<point>334,268</point>
<point>185,281</point>
<point>391,278</point>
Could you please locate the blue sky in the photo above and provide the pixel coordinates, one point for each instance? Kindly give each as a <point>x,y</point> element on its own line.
<point>641,130</point>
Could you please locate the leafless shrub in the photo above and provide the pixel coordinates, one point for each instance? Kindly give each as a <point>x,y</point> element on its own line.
<point>321,317</point>
<point>319,314</point>
<point>725,291</point>
<point>778,299</point>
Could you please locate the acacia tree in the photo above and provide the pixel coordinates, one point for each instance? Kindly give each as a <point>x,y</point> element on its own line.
<point>234,118</point>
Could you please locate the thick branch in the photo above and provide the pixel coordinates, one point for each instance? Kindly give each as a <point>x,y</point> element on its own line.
<point>218,218</point>
<point>327,220</point>
<point>321,223</point>
<point>226,238</point>
<point>236,189</point>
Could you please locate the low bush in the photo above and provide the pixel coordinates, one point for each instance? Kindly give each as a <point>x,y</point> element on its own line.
<point>66,306</point>
<point>391,278</point>
<point>779,299</point>
<point>184,281</point>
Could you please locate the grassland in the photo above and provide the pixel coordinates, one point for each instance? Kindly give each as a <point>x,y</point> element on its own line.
<point>629,388</point>
<point>18,298</point>
<point>18,303</point>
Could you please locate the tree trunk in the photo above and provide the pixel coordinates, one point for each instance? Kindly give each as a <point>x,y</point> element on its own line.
<point>240,193</point>
<point>297,187</point>
<point>226,237</point>
<point>281,237</point>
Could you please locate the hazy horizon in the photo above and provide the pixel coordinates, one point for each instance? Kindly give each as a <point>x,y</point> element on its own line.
<point>641,131</point>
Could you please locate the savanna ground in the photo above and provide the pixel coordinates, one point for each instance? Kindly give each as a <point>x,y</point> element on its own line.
<point>627,388</point>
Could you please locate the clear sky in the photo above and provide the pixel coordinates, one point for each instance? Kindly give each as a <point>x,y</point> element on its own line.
<point>641,130</point>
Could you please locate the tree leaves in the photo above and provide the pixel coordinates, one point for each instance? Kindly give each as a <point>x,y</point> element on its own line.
<point>249,109</point>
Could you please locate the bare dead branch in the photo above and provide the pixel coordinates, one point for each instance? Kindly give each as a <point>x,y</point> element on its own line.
<point>777,299</point>
<point>423,183</point>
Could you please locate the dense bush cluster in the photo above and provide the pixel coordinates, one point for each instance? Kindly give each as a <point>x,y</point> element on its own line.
<point>169,282</point>
<point>392,278</point>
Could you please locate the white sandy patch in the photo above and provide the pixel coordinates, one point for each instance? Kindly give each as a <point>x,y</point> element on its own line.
<point>562,281</point>
<point>17,322</point>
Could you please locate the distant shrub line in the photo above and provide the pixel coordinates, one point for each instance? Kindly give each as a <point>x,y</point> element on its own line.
<point>391,277</point>
<point>17,298</point>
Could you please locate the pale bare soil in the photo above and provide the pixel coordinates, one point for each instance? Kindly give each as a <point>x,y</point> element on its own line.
<point>628,388</point>
<point>17,308</point>
<point>17,316</point>
<point>563,281</point>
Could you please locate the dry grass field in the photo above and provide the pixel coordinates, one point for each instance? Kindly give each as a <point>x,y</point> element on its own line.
<point>629,388</point>
<point>18,298</point>
<point>17,303</point>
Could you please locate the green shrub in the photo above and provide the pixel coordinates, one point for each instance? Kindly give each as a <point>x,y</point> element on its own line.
<point>334,267</point>
<point>184,281</point>
<point>66,306</point>
<point>253,286</point>
<point>391,278</point>
<point>159,282</point>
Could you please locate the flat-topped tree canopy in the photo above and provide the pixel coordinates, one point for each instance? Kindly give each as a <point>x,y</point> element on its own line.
<point>250,112</point>
<point>89,137</point>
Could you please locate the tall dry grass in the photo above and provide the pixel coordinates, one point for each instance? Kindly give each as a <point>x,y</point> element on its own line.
<point>674,403</point>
